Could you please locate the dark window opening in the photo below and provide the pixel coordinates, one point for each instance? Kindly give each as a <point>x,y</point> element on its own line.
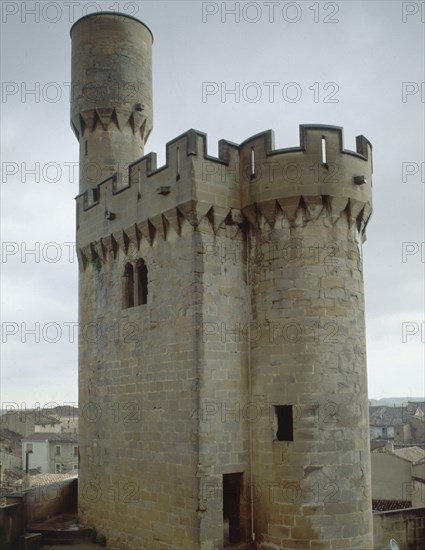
<point>86,148</point>
<point>232,484</point>
<point>285,423</point>
<point>129,286</point>
<point>142,283</point>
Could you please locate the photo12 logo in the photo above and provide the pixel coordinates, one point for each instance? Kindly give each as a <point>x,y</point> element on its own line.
<point>54,12</point>
<point>37,252</point>
<point>254,92</point>
<point>413,91</point>
<point>100,333</point>
<point>409,249</point>
<point>413,171</point>
<point>270,12</point>
<point>410,329</point>
<point>284,492</point>
<point>413,12</point>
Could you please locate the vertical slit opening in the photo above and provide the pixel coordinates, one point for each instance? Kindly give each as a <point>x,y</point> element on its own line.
<point>178,164</point>
<point>142,283</point>
<point>86,147</point>
<point>252,163</point>
<point>324,161</point>
<point>129,286</point>
<point>139,184</point>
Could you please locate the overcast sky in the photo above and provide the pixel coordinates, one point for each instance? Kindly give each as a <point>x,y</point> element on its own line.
<point>359,65</point>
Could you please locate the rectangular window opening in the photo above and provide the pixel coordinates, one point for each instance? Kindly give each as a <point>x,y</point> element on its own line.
<point>86,147</point>
<point>284,423</point>
<point>58,450</point>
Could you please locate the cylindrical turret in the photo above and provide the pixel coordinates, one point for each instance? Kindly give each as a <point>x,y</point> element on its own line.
<point>111,94</point>
<point>311,454</point>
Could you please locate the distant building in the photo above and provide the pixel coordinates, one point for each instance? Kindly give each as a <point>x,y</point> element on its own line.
<point>401,424</point>
<point>398,477</point>
<point>67,416</point>
<point>417,426</point>
<point>47,424</point>
<point>27,421</point>
<point>54,453</point>
<point>384,421</point>
<point>10,450</point>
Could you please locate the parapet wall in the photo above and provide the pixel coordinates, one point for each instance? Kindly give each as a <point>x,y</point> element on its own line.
<point>406,527</point>
<point>245,180</point>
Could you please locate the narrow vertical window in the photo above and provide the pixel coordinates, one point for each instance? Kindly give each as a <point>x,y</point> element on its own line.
<point>139,184</point>
<point>252,163</point>
<point>178,164</point>
<point>142,283</point>
<point>324,161</point>
<point>86,148</point>
<point>128,286</point>
<point>284,423</point>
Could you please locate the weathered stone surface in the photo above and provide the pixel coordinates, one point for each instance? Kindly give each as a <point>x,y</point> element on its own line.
<point>254,301</point>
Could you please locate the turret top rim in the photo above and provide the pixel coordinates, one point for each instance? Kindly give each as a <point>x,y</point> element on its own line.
<point>115,14</point>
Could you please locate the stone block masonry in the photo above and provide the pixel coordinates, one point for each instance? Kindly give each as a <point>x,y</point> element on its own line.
<point>222,362</point>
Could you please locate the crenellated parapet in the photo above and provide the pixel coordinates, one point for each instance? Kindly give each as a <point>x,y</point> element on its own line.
<point>244,182</point>
<point>319,174</point>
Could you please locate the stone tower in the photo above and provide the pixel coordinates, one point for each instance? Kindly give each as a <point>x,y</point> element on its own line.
<point>222,365</point>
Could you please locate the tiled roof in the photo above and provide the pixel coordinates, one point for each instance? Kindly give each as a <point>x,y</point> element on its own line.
<point>412,454</point>
<point>47,420</point>
<point>9,435</point>
<point>47,479</point>
<point>52,436</point>
<point>64,411</point>
<point>387,416</point>
<point>384,505</point>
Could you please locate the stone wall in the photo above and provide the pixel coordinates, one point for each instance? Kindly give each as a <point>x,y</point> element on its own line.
<point>246,310</point>
<point>139,380</point>
<point>35,504</point>
<point>11,525</point>
<point>406,527</point>
<point>308,297</point>
<point>391,477</point>
<point>44,501</point>
<point>9,460</point>
<point>180,393</point>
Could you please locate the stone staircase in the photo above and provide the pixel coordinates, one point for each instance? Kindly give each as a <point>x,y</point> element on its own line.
<point>62,530</point>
